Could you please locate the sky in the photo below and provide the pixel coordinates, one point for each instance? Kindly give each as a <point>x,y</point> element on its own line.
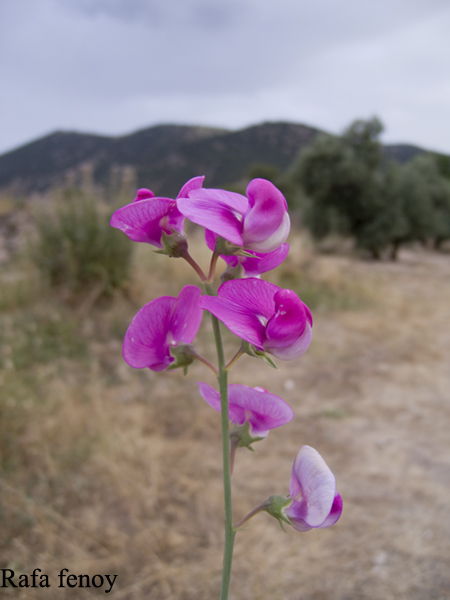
<point>115,66</point>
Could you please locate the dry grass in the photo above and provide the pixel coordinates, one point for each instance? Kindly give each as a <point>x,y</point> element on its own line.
<point>110,470</point>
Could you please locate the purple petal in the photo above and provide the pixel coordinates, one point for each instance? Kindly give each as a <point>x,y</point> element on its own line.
<point>298,523</point>
<point>264,411</point>
<point>187,315</point>
<point>265,217</point>
<point>145,220</point>
<point>261,263</point>
<point>241,320</point>
<point>143,194</point>
<point>335,513</point>
<point>217,210</point>
<point>231,200</point>
<point>265,262</point>
<point>146,340</point>
<point>313,488</point>
<point>295,349</point>
<point>210,239</point>
<point>212,397</point>
<point>274,241</point>
<point>193,184</point>
<point>254,294</point>
<point>308,314</point>
<point>288,323</point>
<point>244,306</point>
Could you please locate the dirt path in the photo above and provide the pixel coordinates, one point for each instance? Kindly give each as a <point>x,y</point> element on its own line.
<point>372,395</point>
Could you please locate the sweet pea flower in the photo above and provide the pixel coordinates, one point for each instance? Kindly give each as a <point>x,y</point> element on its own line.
<point>160,325</point>
<point>315,501</point>
<point>148,217</point>
<point>272,319</point>
<point>258,221</point>
<point>252,266</point>
<point>312,502</point>
<point>262,410</point>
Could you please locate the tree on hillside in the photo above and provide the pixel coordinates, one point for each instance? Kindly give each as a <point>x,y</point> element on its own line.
<point>424,196</point>
<point>443,164</point>
<point>348,186</point>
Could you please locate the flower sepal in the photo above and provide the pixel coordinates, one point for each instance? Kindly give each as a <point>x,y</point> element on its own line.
<point>174,244</point>
<point>226,248</point>
<point>275,506</point>
<point>249,349</point>
<point>184,355</point>
<point>241,436</point>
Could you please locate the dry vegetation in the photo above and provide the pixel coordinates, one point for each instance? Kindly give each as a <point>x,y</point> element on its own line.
<point>105,469</point>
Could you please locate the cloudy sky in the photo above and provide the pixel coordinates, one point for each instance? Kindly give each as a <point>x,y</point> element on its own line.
<point>114,66</point>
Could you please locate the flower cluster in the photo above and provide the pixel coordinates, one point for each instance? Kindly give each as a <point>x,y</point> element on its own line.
<point>249,233</point>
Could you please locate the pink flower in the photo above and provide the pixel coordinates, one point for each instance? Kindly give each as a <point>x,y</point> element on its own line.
<point>272,319</point>
<point>316,502</point>
<point>257,222</point>
<point>159,325</point>
<point>147,217</point>
<point>262,410</point>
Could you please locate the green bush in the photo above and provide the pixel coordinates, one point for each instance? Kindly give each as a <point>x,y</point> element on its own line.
<point>28,338</point>
<point>348,186</point>
<point>77,249</point>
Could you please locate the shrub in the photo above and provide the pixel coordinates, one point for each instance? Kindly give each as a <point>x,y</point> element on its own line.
<point>77,249</point>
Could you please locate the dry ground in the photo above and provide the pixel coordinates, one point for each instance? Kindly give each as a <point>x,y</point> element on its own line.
<point>111,470</point>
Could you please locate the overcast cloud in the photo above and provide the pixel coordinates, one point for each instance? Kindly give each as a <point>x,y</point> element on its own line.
<point>114,66</point>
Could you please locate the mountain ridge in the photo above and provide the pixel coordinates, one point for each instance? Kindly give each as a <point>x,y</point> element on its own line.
<point>162,157</point>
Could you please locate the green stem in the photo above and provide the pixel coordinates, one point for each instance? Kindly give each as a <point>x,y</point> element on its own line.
<point>212,266</point>
<point>208,364</point>
<point>234,443</point>
<point>188,258</point>
<point>251,514</point>
<point>225,418</point>
<point>235,358</point>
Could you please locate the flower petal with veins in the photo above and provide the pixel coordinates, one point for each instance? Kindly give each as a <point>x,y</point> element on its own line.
<point>261,313</point>
<point>258,221</point>
<point>160,324</point>
<point>313,489</point>
<point>147,217</point>
<point>264,411</point>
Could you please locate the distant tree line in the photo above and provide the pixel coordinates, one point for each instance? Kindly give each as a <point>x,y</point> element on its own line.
<point>351,189</point>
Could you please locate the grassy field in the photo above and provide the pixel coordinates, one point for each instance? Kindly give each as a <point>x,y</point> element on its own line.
<point>110,470</point>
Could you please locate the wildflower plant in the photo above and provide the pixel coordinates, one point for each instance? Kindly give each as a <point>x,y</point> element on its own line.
<point>249,233</point>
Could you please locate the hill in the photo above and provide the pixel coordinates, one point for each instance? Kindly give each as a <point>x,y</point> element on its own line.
<point>161,157</point>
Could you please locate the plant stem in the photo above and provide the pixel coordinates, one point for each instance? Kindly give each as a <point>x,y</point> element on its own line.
<point>208,364</point>
<point>188,258</point>
<point>235,358</point>
<point>225,418</point>
<point>233,453</point>
<point>212,266</point>
<point>251,514</point>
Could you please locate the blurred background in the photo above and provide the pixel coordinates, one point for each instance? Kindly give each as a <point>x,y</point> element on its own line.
<point>109,470</point>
